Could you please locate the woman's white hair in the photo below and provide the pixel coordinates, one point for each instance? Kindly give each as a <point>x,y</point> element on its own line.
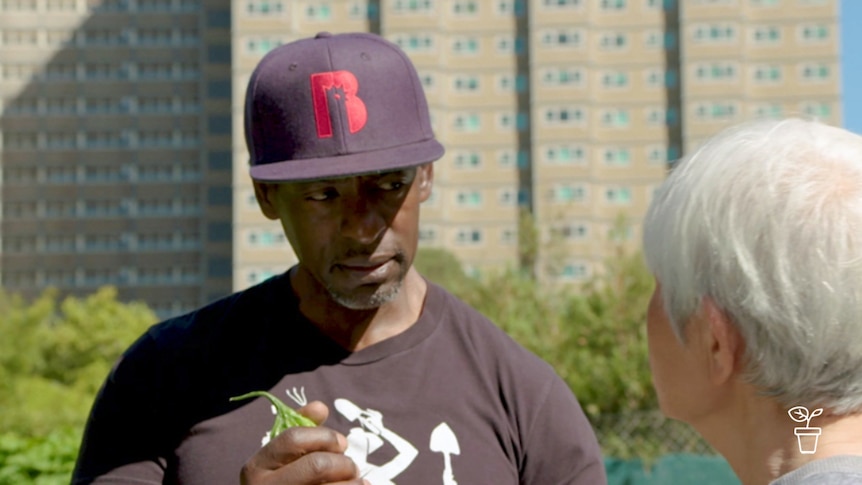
<point>765,219</point>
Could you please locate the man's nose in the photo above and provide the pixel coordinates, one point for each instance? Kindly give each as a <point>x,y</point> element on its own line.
<point>362,220</point>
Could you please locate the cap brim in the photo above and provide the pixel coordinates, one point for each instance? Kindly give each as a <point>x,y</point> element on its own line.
<point>374,161</point>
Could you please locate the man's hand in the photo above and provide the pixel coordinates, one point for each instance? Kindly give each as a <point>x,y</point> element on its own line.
<point>303,456</point>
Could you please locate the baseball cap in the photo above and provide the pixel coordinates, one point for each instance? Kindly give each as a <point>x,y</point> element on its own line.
<point>336,106</point>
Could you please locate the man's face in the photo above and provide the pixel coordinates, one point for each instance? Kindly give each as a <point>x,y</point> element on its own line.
<point>355,236</point>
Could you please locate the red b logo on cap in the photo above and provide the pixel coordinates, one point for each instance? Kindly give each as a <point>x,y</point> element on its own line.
<point>341,87</point>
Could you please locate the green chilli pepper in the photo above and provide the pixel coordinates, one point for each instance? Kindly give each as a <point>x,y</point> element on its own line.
<point>285,416</point>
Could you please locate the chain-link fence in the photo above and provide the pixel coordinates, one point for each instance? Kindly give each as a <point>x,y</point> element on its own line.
<point>647,435</point>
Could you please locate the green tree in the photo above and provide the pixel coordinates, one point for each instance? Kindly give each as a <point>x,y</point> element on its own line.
<point>54,355</point>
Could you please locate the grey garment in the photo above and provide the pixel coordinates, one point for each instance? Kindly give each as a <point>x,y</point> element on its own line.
<point>835,470</point>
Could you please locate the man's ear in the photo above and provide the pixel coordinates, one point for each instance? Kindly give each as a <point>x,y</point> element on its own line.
<point>265,194</point>
<point>724,343</point>
<point>425,179</point>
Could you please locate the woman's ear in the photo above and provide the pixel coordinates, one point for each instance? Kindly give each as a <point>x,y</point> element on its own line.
<point>265,194</point>
<point>425,179</point>
<point>724,343</point>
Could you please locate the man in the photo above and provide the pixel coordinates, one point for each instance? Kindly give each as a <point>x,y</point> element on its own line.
<point>755,325</point>
<point>418,388</point>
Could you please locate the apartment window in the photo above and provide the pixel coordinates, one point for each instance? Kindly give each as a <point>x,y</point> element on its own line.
<point>656,154</point>
<point>615,79</point>
<point>617,157</point>
<point>616,118</point>
<point>56,72</point>
<point>60,242</point>
<point>102,37</point>
<point>574,272</point>
<point>813,33</point>
<point>427,234</point>
<point>266,238</point>
<point>258,46</point>
<point>717,111</point>
<point>413,6</point>
<point>20,174</point>
<point>155,70</point>
<point>19,37</point>
<point>154,5</point>
<point>468,199</point>
<point>613,5</point>
<point>20,209</point>
<point>468,236</point>
<point>767,74</point>
<point>714,33</point>
<point>60,174</point>
<point>465,45</point>
<point>508,236</point>
<point>564,115</point>
<point>61,105</point>
<point>654,77</point>
<point>509,44</point>
<point>15,244</point>
<point>613,41</point>
<point>155,104</point>
<point>510,7</point>
<point>21,106</point>
<point>99,71</point>
<point>60,140</point>
<point>553,4</point>
<point>764,3</point>
<point>110,173</point>
<point>414,42</point>
<point>715,72</point>
<point>563,76</point>
<point>506,158</point>
<point>512,121</point>
<point>465,7</point>
<point>155,138</point>
<point>618,195</point>
<point>507,197</point>
<point>466,123</point>
<point>562,38</point>
<point>264,7</point>
<point>565,155</point>
<point>766,34</point>
<point>59,208</point>
<point>568,193</point>
<point>467,160</point>
<point>59,37</point>
<point>19,140</point>
<point>768,110</point>
<point>465,83</point>
<point>318,12</point>
<point>362,10</point>
<point>18,5</point>
<point>154,36</point>
<point>656,116</point>
<point>653,39</point>
<point>815,109</point>
<point>570,232</point>
<point>814,72</point>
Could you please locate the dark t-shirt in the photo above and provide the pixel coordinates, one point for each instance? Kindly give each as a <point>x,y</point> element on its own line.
<point>451,399</point>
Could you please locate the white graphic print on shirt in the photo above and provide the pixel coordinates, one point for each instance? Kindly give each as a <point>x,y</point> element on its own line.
<point>370,434</point>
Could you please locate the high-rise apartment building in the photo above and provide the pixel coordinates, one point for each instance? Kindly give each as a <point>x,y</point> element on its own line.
<point>569,109</point>
<point>124,159</point>
<point>116,148</point>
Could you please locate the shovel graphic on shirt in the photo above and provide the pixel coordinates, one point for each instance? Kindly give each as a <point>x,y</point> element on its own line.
<point>443,440</point>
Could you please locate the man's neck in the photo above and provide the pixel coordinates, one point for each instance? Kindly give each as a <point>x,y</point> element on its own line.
<point>357,329</point>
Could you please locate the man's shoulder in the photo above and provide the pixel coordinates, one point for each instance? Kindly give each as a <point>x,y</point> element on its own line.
<point>482,336</point>
<point>240,311</point>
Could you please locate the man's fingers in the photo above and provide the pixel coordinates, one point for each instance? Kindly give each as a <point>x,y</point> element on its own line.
<point>316,411</point>
<point>294,443</point>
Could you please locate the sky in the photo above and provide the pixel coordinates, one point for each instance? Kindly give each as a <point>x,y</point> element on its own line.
<point>851,63</point>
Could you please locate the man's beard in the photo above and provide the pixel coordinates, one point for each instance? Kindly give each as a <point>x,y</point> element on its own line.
<point>384,294</point>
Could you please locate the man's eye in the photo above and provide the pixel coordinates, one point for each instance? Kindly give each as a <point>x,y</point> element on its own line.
<point>321,195</point>
<point>391,185</point>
